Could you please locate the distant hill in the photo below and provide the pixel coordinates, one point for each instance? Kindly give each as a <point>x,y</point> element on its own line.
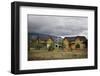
<point>43,36</point>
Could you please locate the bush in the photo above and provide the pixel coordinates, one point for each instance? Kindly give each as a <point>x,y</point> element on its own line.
<point>51,48</point>
<point>77,46</point>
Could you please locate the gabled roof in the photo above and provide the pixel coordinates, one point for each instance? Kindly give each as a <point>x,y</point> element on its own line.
<point>70,38</point>
<point>74,38</point>
<point>83,38</point>
<point>44,38</point>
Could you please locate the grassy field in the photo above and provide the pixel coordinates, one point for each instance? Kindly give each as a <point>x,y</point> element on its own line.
<point>56,54</point>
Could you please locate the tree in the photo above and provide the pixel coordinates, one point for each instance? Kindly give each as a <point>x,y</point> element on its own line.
<point>51,47</point>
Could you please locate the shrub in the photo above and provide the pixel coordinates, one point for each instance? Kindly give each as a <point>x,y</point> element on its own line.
<point>77,45</point>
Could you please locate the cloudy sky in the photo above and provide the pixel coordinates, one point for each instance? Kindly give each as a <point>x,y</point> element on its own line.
<point>58,25</point>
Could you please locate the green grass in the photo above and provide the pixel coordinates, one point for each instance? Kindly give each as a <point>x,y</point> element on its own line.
<point>56,54</point>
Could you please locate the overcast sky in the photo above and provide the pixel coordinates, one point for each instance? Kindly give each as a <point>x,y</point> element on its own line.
<point>58,25</point>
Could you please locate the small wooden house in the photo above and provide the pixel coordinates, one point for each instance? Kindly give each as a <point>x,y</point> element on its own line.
<point>43,42</point>
<point>79,42</point>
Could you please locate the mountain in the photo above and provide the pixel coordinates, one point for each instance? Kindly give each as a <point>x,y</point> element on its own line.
<point>43,36</point>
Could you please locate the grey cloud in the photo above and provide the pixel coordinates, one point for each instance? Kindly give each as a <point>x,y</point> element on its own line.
<point>57,25</point>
